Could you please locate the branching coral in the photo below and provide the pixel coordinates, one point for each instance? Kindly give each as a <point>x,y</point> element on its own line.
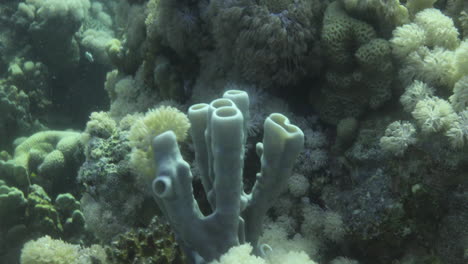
<point>360,71</point>
<point>53,24</point>
<point>16,118</point>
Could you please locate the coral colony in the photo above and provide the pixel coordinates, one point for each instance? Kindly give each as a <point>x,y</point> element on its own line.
<point>234,131</point>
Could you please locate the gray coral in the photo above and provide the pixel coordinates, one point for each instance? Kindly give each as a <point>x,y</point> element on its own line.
<point>267,42</point>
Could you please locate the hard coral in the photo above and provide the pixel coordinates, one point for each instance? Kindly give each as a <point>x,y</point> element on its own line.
<point>360,69</point>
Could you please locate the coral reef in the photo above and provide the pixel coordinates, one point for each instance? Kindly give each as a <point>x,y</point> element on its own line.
<point>378,87</point>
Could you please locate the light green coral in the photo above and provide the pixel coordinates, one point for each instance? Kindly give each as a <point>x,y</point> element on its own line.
<point>13,174</point>
<point>434,114</point>
<point>66,203</point>
<point>72,218</point>
<point>153,123</point>
<point>101,125</point>
<point>386,14</point>
<point>360,71</point>
<point>430,50</point>
<point>46,250</point>
<point>42,215</point>
<point>414,6</point>
<point>45,141</point>
<point>12,205</point>
<point>44,158</point>
<point>459,98</point>
<point>157,121</point>
<point>414,93</point>
<point>398,136</point>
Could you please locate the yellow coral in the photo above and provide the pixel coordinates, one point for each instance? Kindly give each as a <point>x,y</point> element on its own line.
<point>50,251</point>
<point>153,123</point>
<point>157,121</point>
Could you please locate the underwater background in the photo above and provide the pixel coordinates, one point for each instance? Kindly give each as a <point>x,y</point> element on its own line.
<point>376,92</point>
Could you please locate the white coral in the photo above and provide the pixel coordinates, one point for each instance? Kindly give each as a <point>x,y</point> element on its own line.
<point>398,136</point>
<point>458,132</point>
<point>406,39</point>
<point>459,99</point>
<point>440,30</point>
<point>433,114</point>
<point>414,93</point>
<point>77,9</point>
